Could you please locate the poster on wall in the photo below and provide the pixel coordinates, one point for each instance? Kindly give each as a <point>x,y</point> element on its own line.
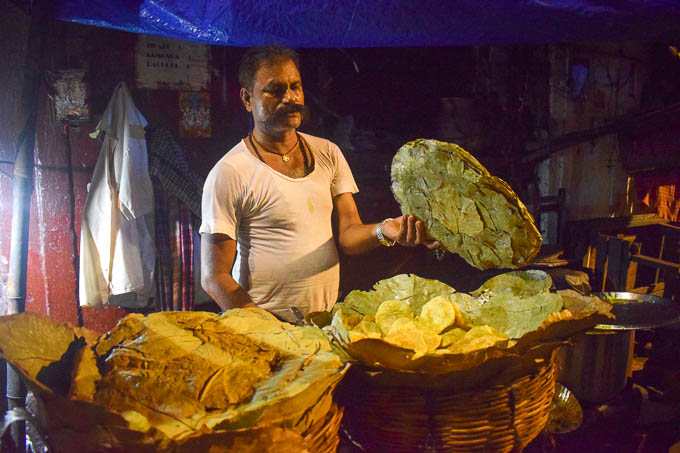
<point>171,64</point>
<point>194,108</point>
<point>68,94</point>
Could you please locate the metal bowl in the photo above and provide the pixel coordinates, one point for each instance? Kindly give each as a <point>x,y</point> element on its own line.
<point>638,311</point>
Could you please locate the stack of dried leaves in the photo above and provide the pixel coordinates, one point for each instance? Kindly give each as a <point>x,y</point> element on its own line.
<point>180,381</point>
<point>471,212</point>
<point>180,364</point>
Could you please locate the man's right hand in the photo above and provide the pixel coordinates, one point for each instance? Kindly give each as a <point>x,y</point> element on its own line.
<point>408,231</point>
<point>218,252</point>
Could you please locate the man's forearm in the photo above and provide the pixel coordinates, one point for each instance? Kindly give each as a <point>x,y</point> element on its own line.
<point>405,230</point>
<point>358,239</point>
<point>226,292</point>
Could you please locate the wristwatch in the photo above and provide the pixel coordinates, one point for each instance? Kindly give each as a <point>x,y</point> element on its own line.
<point>381,237</point>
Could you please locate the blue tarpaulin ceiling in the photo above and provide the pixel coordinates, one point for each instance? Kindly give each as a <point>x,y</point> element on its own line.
<point>384,23</point>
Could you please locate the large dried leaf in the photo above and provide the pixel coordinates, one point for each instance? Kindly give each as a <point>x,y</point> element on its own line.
<point>409,288</point>
<point>40,348</point>
<point>515,302</point>
<point>471,212</point>
<point>518,284</point>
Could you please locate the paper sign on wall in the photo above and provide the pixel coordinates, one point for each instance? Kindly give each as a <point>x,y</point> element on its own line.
<point>165,63</point>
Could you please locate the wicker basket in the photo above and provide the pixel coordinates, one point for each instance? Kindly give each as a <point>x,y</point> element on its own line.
<point>398,418</point>
<point>322,436</point>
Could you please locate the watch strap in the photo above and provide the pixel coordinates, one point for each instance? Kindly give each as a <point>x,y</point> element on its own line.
<point>381,237</point>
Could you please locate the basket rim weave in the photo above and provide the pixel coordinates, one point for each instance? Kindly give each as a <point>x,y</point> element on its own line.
<point>498,418</point>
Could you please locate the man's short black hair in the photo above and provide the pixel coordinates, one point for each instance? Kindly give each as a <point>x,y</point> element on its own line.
<point>259,56</point>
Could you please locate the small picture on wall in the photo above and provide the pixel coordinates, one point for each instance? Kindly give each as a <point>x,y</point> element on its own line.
<point>194,114</point>
<point>69,96</point>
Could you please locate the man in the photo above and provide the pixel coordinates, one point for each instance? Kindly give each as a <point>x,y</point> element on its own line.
<point>270,203</point>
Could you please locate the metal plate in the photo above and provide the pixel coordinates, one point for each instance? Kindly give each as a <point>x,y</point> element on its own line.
<point>639,311</point>
<point>566,414</point>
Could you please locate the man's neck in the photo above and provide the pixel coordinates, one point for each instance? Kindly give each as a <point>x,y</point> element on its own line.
<point>276,141</point>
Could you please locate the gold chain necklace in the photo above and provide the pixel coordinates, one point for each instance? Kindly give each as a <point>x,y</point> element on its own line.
<point>284,156</point>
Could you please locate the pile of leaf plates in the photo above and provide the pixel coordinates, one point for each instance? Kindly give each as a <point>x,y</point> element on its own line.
<point>471,212</point>
<point>241,381</point>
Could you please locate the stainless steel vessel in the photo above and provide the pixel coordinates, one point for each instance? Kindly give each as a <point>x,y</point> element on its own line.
<point>594,366</point>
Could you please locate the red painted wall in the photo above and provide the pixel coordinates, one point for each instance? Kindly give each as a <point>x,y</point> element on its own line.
<point>56,206</point>
<point>52,260</point>
<point>54,225</point>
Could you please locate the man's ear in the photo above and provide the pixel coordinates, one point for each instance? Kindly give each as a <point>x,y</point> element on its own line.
<point>245,98</point>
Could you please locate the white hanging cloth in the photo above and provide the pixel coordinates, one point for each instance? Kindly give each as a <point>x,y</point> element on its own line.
<point>116,242</point>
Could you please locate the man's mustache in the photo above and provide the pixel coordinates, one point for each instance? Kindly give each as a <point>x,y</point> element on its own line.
<point>290,108</point>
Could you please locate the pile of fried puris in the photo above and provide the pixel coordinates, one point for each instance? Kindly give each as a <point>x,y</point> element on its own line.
<point>429,317</point>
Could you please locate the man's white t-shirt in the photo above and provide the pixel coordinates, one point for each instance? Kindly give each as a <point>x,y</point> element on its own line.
<point>286,254</point>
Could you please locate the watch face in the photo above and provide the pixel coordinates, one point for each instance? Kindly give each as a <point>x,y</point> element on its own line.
<point>381,237</point>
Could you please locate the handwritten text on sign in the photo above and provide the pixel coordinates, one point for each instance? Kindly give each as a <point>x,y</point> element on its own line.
<point>164,63</point>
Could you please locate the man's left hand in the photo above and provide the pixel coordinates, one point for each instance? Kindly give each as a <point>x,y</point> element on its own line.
<point>408,231</point>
